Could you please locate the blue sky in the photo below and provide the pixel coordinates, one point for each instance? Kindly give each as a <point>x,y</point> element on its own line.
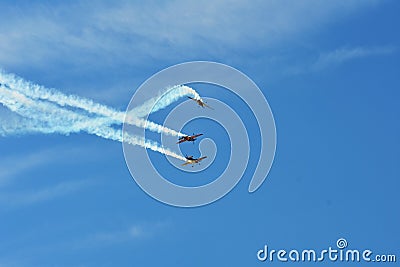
<point>329,70</point>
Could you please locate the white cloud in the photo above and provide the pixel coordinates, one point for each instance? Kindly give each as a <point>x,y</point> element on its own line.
<point>342,55</point>
<point>133,232</point>
<point>89,35</point>
<point>110,47</point>
<point>34,196</point>
<point>24,163</point>
<point>338,57</point>
<point>17,165</point>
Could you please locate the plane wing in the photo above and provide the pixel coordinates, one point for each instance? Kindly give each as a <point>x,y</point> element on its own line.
<point>207,106</point>
<point>200,159</point>
<point>193,161</point>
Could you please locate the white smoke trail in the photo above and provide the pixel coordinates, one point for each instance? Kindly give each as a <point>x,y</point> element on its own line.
<point>154,127</point>
<point>51,118</point>
<point>11,124</point>
<point>38,92</point>
<point>165,99</point>
<point>135,140</point>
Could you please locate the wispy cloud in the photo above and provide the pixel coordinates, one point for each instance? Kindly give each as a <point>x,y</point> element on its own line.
<point>121,235</point>
<point>342,55</point>
<point>128,33</point>
<point>133,232</point>
<point>24,163</point>
<point>337,57</point>
<point>29,197</point>
<point>110,47</point>
<point>17,165</point>
<point>136,231</point>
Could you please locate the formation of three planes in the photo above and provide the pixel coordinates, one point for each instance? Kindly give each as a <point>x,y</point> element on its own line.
<point>191,138</point>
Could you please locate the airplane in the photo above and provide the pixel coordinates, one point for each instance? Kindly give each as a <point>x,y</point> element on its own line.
<point>190,138</point>
<point>200,102</point>
<point>191,160</point>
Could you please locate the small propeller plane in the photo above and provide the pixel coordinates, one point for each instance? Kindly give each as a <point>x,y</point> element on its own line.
<point>191,160</point>
<point>190,138</point>
<point>200,102</point>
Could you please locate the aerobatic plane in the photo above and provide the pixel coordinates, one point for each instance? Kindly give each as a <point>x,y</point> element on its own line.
<point>190,138</point>
<point>200,102</point>
<point>191,160</point>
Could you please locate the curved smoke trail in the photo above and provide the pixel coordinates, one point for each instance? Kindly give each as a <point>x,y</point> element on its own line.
<point>40,115</point>
<point>171,95</point>
<point>38,92</point>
